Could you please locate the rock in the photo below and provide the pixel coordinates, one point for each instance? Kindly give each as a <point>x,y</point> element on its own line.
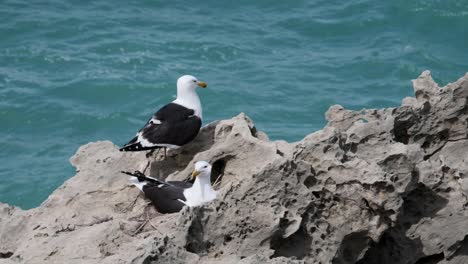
<point>373,186</point>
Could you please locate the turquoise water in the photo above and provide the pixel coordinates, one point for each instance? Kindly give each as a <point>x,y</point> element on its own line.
<point>72,72</point>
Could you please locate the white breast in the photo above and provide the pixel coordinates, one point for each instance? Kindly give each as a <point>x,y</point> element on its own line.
<point>190,101</point>
<point>195,197</point>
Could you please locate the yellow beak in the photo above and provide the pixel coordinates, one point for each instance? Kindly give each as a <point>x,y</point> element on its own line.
<point>195,174</point>
<point>202,84</point>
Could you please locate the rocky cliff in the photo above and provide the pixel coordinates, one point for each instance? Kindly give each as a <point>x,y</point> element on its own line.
<point>373,186</point>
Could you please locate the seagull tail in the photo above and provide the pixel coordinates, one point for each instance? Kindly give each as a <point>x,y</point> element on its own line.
<point>136,147</point>
<point>139,184</point>
<point>140,177</point>
<point>132,145</point>
<point>137,174</point>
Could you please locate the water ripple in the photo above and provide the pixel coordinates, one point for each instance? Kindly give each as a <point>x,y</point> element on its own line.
<point>73,72</point>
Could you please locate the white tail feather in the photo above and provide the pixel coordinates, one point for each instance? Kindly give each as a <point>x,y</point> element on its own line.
<point>138,184</point>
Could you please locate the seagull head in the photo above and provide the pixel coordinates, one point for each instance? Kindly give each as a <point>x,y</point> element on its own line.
<point>202,169</point>
<point>188,82</point>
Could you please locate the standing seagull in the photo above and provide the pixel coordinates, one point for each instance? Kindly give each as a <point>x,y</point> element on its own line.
<point>175,124</point>
<point>171,196</point>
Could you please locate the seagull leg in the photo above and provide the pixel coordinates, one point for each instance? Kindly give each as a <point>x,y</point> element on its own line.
<point>165,153</point>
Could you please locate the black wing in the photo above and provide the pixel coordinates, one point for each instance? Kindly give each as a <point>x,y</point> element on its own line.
<point>181,184</point>
<point>167,198</point>
<point>171,125</point>
<point>173,112</point>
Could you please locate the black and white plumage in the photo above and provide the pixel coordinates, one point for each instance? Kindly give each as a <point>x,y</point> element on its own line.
<point>171,196</point>
<point>175,124</point>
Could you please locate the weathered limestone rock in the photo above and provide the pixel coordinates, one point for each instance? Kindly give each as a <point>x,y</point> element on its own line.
<point>373,186</point>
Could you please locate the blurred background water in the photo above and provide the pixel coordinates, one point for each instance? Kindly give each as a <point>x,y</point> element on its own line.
<point>72,72</point>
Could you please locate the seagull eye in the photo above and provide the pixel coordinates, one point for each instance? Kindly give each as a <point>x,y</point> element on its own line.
<point>205,166</point>
<point>194,81</point>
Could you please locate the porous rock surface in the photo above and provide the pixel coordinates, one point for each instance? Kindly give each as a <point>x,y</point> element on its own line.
<point>374,186</point>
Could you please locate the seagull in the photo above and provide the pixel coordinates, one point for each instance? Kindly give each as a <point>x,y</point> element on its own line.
<point>175,124</point>
<point>171,196</point>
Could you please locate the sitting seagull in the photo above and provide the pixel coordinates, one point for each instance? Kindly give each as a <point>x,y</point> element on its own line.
<point>171,196</point>
<point>175,124</point>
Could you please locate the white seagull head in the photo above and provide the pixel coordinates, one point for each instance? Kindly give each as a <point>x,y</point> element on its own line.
<point>202,170</point>
<point>186,94</point>
<point>188,82</point>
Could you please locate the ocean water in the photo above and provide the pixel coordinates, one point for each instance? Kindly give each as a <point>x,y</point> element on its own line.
<point>72,72</point>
